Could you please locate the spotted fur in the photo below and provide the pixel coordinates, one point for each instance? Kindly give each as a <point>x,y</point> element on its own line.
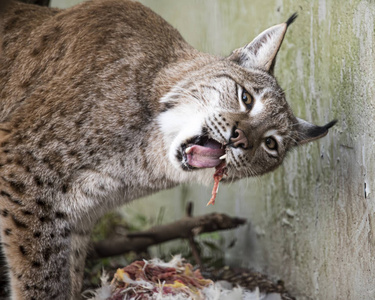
<point>96,103</point>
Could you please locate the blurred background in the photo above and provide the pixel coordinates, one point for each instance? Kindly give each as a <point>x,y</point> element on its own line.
<point>312,221</point>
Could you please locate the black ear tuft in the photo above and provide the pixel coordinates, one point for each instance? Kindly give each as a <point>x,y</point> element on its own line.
<point>319,131</point>
<point>308,132</point>
<point>330,124</point>
<point>315,132</point>
<point>291,19</point>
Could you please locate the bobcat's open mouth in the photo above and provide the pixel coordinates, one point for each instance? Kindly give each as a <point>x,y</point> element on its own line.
<point>201,152</point>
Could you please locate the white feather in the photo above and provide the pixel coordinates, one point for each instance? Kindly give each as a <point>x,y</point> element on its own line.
<point>216,291</point>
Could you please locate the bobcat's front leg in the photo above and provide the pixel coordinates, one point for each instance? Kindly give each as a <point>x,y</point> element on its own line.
<point>44,253</point>
<point>79,243</point>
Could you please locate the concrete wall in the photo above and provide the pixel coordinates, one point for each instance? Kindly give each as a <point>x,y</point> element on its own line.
<point>312,221</point>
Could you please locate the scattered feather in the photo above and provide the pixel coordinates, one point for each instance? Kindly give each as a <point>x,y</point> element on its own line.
<point>173,280</point>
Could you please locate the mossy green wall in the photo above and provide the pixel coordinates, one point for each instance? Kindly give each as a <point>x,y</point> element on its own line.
<point>312,222</point>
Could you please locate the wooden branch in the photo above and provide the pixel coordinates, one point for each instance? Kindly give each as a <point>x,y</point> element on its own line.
<point>192,243</point>
<point>183,228</point>
<point>196,253</point>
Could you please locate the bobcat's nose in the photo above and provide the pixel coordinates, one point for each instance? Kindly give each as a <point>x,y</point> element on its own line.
<point>239,139</point>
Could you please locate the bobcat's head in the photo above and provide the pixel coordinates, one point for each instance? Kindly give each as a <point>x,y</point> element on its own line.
<point>232,114</point>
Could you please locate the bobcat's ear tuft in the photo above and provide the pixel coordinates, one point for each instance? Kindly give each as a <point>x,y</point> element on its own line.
<point>309,132</point>
<point>261,52</point>
<point>291,19</point>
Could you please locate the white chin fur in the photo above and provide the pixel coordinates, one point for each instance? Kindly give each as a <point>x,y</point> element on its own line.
<point>179,125</point>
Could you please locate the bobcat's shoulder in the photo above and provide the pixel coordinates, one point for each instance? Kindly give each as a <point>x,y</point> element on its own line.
<point>103,34</point>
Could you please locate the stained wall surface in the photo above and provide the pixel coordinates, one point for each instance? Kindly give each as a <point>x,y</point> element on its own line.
<point>312,221</point>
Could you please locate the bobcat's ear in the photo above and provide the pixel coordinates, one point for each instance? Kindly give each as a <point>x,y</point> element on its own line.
<point>307,132</point>
<point>261,52</point>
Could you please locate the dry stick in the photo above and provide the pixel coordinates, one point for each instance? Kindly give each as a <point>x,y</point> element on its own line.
<point>182,228</point>
<point>192,243</point>
<point>195,251</point>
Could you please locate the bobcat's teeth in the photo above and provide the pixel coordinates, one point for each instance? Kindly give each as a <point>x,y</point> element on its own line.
<point>223,157</point>
<point>188,150</point>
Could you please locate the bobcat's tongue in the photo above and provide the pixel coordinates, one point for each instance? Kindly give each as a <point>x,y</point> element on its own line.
<point>207,156</point>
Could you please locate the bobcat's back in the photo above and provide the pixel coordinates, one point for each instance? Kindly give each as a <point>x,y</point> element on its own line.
<point>16,24</point>
<point>42,47</point>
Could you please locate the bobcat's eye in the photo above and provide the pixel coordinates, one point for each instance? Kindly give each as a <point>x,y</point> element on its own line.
<point>271,143</point>
<point>247,99</point>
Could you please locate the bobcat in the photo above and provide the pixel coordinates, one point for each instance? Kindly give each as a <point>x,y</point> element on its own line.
<point>104,103</point>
